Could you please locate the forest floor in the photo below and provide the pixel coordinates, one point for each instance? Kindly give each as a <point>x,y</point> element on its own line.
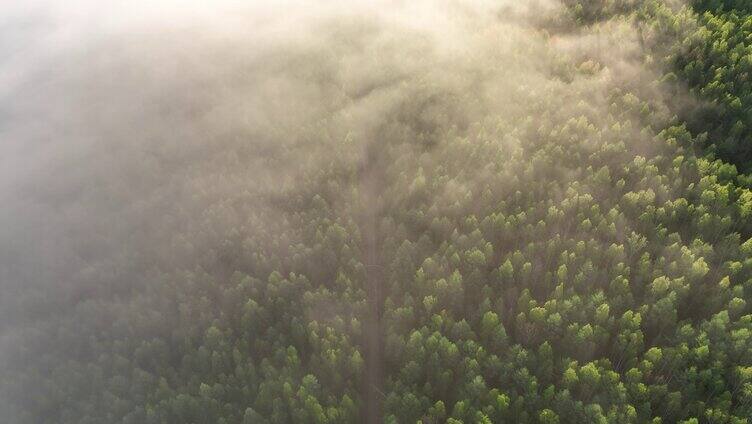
<point>370,181</point>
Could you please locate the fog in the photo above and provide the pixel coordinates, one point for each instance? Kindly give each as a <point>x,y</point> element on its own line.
<point>142,138</point>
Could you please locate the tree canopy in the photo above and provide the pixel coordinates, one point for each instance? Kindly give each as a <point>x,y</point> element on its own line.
<point>549,222</point>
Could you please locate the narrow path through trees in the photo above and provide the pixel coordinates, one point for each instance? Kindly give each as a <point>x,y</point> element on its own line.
<point>370,184</point>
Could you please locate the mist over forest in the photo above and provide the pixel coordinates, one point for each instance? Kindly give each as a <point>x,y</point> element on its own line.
<point>452,211</point>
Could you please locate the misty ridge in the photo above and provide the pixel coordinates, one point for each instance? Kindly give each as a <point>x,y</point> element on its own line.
<point>374,211</point>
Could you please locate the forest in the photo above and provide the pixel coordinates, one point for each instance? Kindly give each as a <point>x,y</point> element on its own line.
<point>453,211</point>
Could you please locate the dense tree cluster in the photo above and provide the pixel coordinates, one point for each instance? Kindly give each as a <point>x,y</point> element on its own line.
<point>610,289</point>
<point>716,60</point>
<point>584,255</point>
<point>563,281</point>
<point>228,328</point>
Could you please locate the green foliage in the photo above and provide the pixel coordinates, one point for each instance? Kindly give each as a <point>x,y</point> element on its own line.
<point>716,60</point>
<point>583,262</point>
